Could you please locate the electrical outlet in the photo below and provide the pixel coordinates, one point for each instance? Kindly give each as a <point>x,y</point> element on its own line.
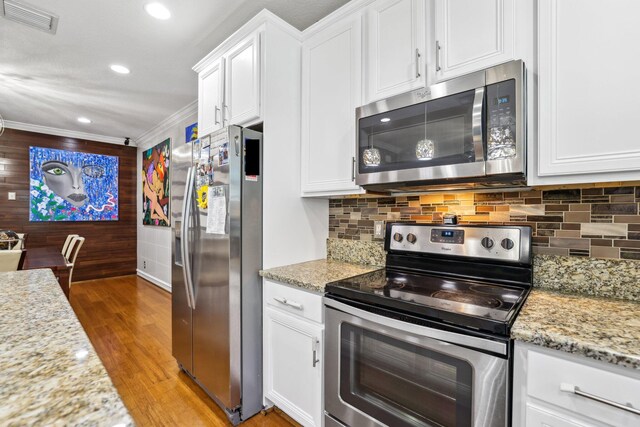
<point>12,195</point>
<point>378,229</point>
<point>144,265</point>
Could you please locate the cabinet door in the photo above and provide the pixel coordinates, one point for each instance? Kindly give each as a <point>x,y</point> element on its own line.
<point>331,88</point>
<point>210,98</point>
<point>472,35</point>
<point>293,361</point>
<point>242,82</point>
<point>394,51</point>
<point>588,103</point>
<point>537,417</point>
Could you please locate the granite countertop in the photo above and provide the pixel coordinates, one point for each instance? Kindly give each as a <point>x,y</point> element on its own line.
<point>50,373</point>
<point>314,275</point>
<point>599,328</point>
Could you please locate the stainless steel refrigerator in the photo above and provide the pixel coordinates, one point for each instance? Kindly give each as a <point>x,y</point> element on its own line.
<point>216,255</point>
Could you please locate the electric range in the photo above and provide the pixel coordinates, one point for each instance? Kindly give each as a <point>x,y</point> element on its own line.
<point>432,326</point>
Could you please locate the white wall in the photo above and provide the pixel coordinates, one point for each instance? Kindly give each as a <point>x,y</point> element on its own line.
<point>154,243</point>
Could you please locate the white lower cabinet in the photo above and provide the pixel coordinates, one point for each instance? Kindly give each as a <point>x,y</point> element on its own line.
<point>556,389</point>
<point>538,417</point>
<point>293,345</point>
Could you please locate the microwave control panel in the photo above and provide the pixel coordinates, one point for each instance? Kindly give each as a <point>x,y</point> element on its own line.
<point>501,120</point>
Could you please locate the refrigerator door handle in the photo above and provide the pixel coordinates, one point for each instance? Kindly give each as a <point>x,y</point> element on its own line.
<point>184,241</point>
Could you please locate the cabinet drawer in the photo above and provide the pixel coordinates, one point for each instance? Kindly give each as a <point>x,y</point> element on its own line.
<point>539,417</point>
<point>548,376</point>
<point>293,300</point>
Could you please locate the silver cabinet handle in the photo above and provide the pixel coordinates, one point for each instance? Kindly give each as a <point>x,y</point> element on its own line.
<point>285,301</point>
<point>314,347</point>
<point>353,169</point>
<point>225,113</point>
<point>215,115</point>
<point>570,388</point>
<point>417,64</point>
<point>438,67</point>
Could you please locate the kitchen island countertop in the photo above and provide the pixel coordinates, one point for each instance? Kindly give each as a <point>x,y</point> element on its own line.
<point>598,328</point>
<point>314,275</point>
<point>50,373</point>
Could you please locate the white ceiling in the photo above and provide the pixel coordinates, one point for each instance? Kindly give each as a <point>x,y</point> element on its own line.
<point>50,80</point>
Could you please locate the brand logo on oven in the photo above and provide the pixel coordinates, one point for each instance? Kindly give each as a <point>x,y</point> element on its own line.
<point>423,94</point>
<point>444,248</point>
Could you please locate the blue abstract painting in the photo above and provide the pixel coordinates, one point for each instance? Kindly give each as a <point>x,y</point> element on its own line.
<point>72,186</point>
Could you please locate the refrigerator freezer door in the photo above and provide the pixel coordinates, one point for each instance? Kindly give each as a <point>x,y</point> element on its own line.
<point>180,310</point>
<point>215,268</point>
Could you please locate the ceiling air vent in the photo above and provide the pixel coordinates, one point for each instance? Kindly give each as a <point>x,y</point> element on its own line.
<point>29,15</point>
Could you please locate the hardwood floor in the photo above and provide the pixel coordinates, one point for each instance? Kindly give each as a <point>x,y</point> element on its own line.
<point>129,323</point>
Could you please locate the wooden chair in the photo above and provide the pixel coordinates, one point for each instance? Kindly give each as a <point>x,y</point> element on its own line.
<point>67,243</point>
<point>74,248</point>
<point>12,259</point>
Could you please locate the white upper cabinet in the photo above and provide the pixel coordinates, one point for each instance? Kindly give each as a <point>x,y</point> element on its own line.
<point>394,48</point>
<point>210,98</point>
<point>331,91</point>
<point>242,81</point>
<point>588,91</point>
<point>229,87</point>
<point>471,35</point>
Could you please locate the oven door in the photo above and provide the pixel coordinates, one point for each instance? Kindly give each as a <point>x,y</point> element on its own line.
<point>382,371</point>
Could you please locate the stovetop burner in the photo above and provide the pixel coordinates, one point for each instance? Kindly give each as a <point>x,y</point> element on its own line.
<point>485,301</point>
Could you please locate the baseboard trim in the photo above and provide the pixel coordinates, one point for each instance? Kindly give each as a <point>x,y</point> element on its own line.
<point>159,283</point>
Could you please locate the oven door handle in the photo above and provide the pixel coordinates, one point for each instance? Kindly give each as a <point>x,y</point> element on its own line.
<point>476,124</point>
<point>423,331</point>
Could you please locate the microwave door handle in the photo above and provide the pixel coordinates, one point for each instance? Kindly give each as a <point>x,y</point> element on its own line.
<point>476,123</point>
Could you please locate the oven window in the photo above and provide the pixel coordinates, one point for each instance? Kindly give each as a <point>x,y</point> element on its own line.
<point>433,133</point>
<point>401,384</point>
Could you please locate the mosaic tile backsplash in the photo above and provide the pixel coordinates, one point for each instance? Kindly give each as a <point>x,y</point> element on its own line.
<point>599,222</point>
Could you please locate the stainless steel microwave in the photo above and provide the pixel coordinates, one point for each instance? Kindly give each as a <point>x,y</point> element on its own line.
<point>465,133</point>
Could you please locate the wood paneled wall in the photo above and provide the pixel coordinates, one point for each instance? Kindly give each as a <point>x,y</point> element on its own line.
<point>110,246</point>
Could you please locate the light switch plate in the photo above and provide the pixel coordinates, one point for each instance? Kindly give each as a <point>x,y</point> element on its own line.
<point>378,229</point>
<point>12,195</point>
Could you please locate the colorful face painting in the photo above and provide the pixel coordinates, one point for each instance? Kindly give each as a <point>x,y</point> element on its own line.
<point>72,186</point>
<point>155,184</point>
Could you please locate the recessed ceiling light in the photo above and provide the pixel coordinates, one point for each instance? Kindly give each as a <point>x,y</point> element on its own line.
<point>84,120</point>
<point>385,119</point>
<point>157,10</point>
<point>120,69</point>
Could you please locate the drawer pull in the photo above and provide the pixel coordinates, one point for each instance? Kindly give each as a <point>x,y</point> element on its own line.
<point>285,301</point>
<point>570,388</point>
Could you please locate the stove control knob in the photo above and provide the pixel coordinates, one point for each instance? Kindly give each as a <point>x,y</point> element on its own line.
<point>507,244</point>
<point>487,243</point>
<point>397,237</point>
<point>411,238</point>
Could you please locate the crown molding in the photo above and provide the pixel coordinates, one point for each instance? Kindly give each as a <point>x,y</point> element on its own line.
<point>264,17</point>
<point>164,125</point>
<point>350,8</point>
<point>64,132</point>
